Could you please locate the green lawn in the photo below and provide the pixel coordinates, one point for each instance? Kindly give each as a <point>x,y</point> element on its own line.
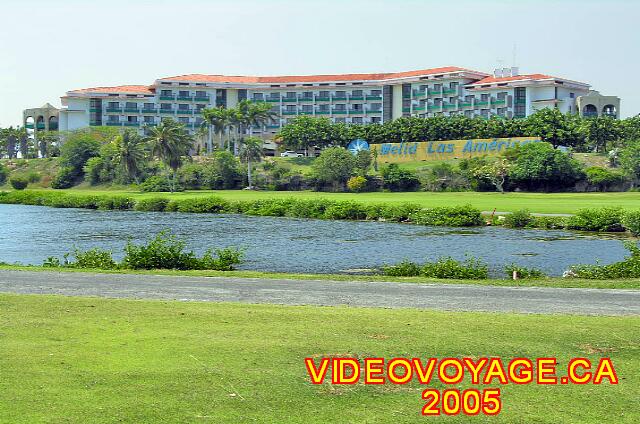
<point>535,202</point>
<point>95,360</point>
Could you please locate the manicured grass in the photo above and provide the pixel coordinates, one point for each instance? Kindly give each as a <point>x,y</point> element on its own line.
<point>95,360</point>
<point>544,282</point>
<point>535,202</point>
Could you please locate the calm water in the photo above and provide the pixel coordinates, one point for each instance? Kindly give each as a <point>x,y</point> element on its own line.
<point>29,234</point>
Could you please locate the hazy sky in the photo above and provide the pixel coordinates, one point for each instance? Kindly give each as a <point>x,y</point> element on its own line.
<point>50,47</point>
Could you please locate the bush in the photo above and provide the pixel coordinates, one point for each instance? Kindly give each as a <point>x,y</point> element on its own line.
<point>447,267</point>
<point>631,221</point>
<point>549,222</point>
<point>392,212</point>
<point>523,272</point>
<point>18,183</point>
<point>154,204</point>
<point>120,203</point>
<point>627,268</point>
<point>167,252</point>
<point>357,184</point>
<point>93,258</point>
<point>65,178</point>
<point>399,179</point>
<point>602,177</point>
<point>454,216</point>
<point>346,210</point>
<point>518,219</point>
<point>405,268</point>
<point>155,184</point>
<point>34,177</point>
<point>597,219</point>
<point>198,205</point>
<point>4,172</point>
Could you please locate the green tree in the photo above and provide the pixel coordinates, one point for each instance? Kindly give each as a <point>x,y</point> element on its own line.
<point>222,172</point>
<point>554,127</point>
<point>48,143</point>
<point>170,143</point>
<point>251,150</point>
<point>304,132</point>
<point>130,154</point>
<point>364,160</point>
<point>217,121</point>
<point>494,172</point>
<point>603,178</point>
<point>334,166</point>
<point>536,166</point>
<point>74,153</point>
<point>630,160</point>
<point>601,131</point>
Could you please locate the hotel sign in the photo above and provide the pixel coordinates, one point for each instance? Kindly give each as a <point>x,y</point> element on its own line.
<point>448,149</point>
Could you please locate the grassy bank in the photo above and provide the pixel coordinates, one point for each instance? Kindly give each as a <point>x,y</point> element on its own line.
<point>509,202</point>
<point>541,282</point>
<point>96,360</point>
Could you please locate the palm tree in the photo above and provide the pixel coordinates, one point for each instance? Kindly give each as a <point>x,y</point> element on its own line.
<point>216,120</point>
<point>130,153</point>
<point>251,150</point>
<point>250,114</point>
<point>170,142</point>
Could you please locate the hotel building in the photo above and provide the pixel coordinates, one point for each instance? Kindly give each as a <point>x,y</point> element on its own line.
<point>349,98</point>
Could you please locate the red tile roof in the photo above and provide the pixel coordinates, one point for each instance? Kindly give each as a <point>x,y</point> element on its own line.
<point>120,89</point>
<point>312,78</point>
<point>490,79</point>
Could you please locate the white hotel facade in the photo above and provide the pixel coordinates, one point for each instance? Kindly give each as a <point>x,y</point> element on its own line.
<point>350,98</point>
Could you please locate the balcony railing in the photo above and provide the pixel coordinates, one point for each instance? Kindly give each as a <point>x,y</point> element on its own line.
<point>406,109</point>
<point>589,114</point>
<point>40,126</point>
<point>356,97</point>
<point>114,109</point>
<point>131,124</point>
<point>289,99</point>
<point>167,111</point>
<point>184,112</point>
<point>419,94</point>
<point>520,101</point>
<point>449,105</point>
<point>290,112</point>
<point>114,124</point>
<point>185,98</point>
<point>374,111</point>
<point>167,97</point>
<point>339,98</point>
<point>95,109</point>
<point>131,110</point>
<point>482,103</point>
<point>356,111</point>
<point>201,99</point>
<point>273,99</point>
<point>95,123</point>
<point>465,104</point>
<point>418,108</point>
<point>434,107</point>
<point>434,92</point>
<point>30,126</point>
<point>339,112</point>
<point>306,112</point>
<point>372,97</point>
<point>498,102</point>
<point>150,111</point>
<point>305,99</point>
<point>323,112</point>
<point>450,91</point>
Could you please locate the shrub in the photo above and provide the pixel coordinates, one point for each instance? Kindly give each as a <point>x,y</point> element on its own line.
<point>627,268</point>
<point>334,166</point>
<point>549,222</point>
<point>346,210</point>
<point>116,203</point>
<point>311,208</point>
<point>399,179</point>
<point>523,272</point>
<point>597,219</point>
<point>65,178</point>
<point>631,221</point>
<point>198,205</point>
<point>155,184</point>
<point>392,212</point>
<point>154,204</point>
<point>93,258</point>
<point>167,252</point>
<point>603,178</point>
<point>518,219</point>
<point>18,182</point>
<point>405,268</point>
<point>34,177</point>
<point>357,184</point>
<point>447,267</point>
<point>454,216</point>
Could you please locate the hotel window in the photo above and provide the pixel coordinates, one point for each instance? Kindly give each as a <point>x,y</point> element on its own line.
<point>166,93</point>
<point>323,94</point>
<point>453,85</point>
<point>307,108</point>
<point>502,111</point>
<point>258,97</point>
<point>356,93</point>
<point>183,93</point>
<point>199,121</point>
<point>275,109</point>
<point>340,107</point>
<point>340,120</point>
<point>452,100</point>
<point>484,113</point>
<point>357,106</point>
<point>274,96</point>
<point>201,94</point>
<point>324,107</point>
<point>165,106</point>
<point>113,105</point>
<point>502,95</point>
<point>149,106</point>
<point>356,120</point>
<point>132,119</point>
<point>437,102</point>
<point>114,118</point>
<point>131,105</point>
<point>341,94</point>
<point>437,87</point>
<point>520,100</point>
<point>291,95</point>
<point>468,113</point>
<point>377,106</point>
<point>291,108</point>
<point>469,98</point>
<point>379,92</point>
<point>572,95</point>
<point>183,120</point>
<point>199,108</point>
<point>148,119</point>
<point>307,95</point>
<point>183,106</point>
<point>376,119</point>
<point>484,97</point>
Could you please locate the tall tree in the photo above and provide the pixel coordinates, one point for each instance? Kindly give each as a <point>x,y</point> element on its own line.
<point>170,143</point>
<point>554,127</point>
<point>251,151</point>
<point>249,115</point>
<point>130,154</point>
<point>216,120</point>
<point>601,131</point>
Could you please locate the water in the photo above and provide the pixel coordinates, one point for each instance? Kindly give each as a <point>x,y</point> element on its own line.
<point>30,234</point>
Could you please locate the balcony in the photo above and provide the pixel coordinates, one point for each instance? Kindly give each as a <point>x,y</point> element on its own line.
<point>465,104</point>
<point>202,99</point>
<point>184,112</point>
<point>152,111</point>
<point>434,107</point>
<point>434,92</point>
<point>589,114</point>
<point>520,101</point>
<point>418,109</point>
<point>449,105</point>
<point>339,98</point>
<point>419,94</point>
<point>289,99</point>
<point>149,124</point>
<point>356,111</point>
<point>290,112</point>
<point>498,102</point>
<point>95,123</point>
<point>114,110</point>
<point>450,91</point>
<point>114,124</point>
<point>305,99</point>
<point>373,111</point>
<point>273,126</point>
<point>95,109</point>
<point>273,99</point>
<point>374,97</point>
<point>184,98</point>
<point>131,124</point>
<point>306,112</point>
<point>131,110</point>
<point>339,112</point>
<point>30,126</point>
<point>40,126</point>
<point>406,95</point>
<point>167,111</point>
<point>356,97</point>
<point>406,109</point>
<point>323,99</point>
<point>482,103</point>
<point>323,112</point>
<point>167,97</point>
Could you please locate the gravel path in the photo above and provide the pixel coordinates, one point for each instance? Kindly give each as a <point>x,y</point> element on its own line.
<point>330,293</point>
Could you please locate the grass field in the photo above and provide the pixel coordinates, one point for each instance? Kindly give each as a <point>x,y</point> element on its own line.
<point>94,360</point>
<point>632,283</point>
<point>535,202</point>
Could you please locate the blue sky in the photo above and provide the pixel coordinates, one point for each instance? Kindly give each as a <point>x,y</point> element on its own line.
<point>47,48</point>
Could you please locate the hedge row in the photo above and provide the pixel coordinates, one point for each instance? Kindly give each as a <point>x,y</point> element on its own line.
<point>597,219</point>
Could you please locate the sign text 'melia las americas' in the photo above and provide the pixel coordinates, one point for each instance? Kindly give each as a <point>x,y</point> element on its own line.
<point>448,149</point>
